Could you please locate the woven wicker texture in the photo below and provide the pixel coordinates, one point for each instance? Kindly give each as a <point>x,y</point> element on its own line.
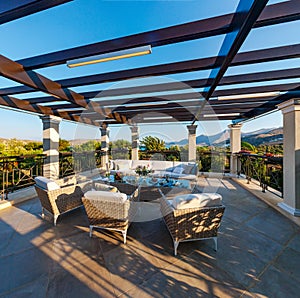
<point>192,223</point>
<point>110,214</point>
<point>60,200</point>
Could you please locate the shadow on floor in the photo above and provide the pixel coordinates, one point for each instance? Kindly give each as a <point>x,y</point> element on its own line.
<point>258,255</point>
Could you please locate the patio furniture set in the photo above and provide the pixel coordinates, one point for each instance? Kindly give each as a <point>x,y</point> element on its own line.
<point>113,206</point>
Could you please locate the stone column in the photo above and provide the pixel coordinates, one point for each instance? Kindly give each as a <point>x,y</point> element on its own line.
<point>134,142</point>
<point>51,146</point>
<point>104,145</point>
<point>235,146</point>
<point>291,156</point>
<point>192,142</point>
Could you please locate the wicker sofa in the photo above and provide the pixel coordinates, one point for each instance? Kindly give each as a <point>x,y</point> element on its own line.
<point>191,220</point>
<point>111,210</point>
<point>60,196</point>
<point>172,169</point>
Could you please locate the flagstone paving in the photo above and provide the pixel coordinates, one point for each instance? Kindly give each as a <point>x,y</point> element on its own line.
<point>258,255</point>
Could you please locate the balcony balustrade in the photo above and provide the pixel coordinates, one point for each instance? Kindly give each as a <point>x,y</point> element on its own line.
<point>267,170</point>
<point>18,172</point>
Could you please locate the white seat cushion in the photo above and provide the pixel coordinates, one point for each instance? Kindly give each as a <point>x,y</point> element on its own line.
<point>197,200</point>
<point>106,196</point>
<point>45,183</point>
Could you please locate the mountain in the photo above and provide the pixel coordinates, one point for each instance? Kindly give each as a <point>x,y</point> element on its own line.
<point>262,136</point>
<point>267,137</point>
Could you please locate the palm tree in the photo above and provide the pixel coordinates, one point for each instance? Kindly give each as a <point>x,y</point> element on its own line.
<point>153,143</point>
<point>248,146</point>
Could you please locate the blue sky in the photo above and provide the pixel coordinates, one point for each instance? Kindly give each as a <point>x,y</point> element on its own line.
<point>87,21</point>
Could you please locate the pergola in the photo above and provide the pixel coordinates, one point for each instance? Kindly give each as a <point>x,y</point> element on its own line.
<point>188,101</point>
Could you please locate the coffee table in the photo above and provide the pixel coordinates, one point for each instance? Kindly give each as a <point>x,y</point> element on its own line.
<point>150,187</point>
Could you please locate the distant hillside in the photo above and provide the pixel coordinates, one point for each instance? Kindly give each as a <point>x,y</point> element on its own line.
<point>271,137</point>
<point>261,136</point>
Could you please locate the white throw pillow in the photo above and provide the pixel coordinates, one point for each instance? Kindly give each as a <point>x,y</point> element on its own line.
<point>178,170</point>
<point>118,197</point>
<point>45,183</point>
<point>197,200</point>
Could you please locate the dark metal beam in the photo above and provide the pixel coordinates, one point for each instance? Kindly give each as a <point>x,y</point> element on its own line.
<point>272,14</point>
<point>101,100</point>
<point>246,15</point>
<point>223,106</point>
<point>258,89</point>
<point>261,76</point>
<point>269,106</point>
<point>15,9</point>
<point>251,57</point>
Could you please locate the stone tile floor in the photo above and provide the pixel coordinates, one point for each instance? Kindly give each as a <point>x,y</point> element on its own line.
<point>258,255</point>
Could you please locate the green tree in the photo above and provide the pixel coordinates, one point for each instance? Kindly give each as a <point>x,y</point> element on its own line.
<point>120,149</point>
<point>91,145</point>
<point>33,146</point>
<point>120,144</point>
<point>174,148</point>
<point>153,143</point>
<point>15,147</point>
<point>64,145</point>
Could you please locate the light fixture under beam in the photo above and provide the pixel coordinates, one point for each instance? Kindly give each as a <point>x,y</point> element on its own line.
<point>157,118</point>
<point>139,51</point>
<point>221,115</point>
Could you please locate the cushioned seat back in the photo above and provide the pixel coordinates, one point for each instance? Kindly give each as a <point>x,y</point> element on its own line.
<point>45,183</point>
<point>187,168</point>
<point>122,164</point>
<point>161,165</point>
<point>106,196</point>
<point>198,200</point>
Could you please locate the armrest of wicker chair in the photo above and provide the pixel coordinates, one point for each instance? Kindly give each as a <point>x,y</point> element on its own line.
<point>105,211</point>
<point>62,199</point>
<point>192,223</point>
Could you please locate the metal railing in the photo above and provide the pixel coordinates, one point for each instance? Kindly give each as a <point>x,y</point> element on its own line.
<point>267,170</point>
<point>75,162</point>
<point>19,171</point>
<point>214,161</point>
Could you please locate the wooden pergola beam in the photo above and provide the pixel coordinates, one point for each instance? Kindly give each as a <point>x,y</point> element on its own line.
<point>15,71</point>
<point>24,105</point>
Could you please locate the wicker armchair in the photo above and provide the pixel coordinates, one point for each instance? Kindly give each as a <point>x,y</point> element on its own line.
<point>60,196</point>
<point>111,211</point>
<point>192,223</point>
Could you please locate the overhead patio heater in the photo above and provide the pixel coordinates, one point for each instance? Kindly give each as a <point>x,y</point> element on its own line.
<point>139,51</point>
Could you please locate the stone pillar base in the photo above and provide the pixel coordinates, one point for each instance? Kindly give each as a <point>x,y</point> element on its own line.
<point>289,209</point>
